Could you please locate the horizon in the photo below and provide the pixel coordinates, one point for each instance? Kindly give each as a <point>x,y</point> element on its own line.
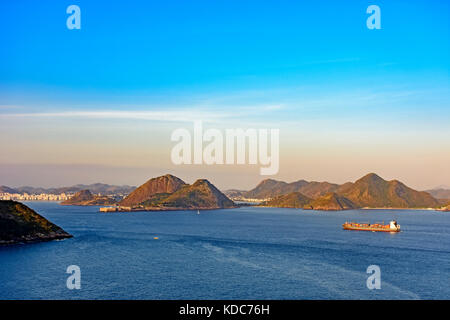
<point>100,103</point>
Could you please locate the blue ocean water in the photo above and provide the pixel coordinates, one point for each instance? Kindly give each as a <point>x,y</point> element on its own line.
<point>245,253</point>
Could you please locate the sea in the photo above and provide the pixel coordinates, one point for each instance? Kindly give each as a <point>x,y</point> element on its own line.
<point>243,253</point>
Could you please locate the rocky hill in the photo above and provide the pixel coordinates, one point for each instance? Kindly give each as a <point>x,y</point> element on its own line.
<point>86,198</point>
<point>370,191</point>
<point>161,185</point>
<point>171,193</point>
<point>19,224</point>
<point>200,195</point>
<point>374,192</point>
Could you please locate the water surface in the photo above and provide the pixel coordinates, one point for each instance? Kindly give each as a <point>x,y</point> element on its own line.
<point>245,253</point>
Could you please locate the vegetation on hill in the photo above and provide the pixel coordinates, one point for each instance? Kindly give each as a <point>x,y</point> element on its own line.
<point>370,191</point>
<point>270,188</point>
<point>374,192</point>
<point>290,200</point>
<point>18,223</point>
<point>331,202</point>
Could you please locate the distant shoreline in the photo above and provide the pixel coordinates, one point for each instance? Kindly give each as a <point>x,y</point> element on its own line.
<point>365,208</point>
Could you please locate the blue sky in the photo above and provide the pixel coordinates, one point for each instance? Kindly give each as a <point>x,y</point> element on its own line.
<point>290,64</point>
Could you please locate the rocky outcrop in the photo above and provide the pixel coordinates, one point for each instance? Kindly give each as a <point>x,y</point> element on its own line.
<point>20,224</point>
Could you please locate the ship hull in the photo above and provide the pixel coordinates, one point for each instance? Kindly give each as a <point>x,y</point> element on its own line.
<point>369,229</point>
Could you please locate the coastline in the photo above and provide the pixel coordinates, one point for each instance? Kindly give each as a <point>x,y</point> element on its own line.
<point>363,208</point>
<point>36,239</point>
<point>153,209</point>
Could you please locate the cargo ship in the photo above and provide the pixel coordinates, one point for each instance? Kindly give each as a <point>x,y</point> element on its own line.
<point>375,227</point>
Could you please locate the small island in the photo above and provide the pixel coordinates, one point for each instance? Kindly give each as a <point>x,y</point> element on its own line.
<point>20,224</point>
<point>86,198</point>
<point>168,192</point>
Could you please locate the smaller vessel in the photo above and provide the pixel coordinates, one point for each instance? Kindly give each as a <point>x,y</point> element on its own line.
<point>198,211</point>
<point>393,226</point>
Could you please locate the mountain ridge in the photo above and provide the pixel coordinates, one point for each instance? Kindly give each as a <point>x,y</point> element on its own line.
<point>370,191</point>
<point>98,188</point>
<point>439,193</point>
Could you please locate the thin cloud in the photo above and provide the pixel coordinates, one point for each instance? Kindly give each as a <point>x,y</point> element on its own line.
<point>177,116</point>
<point>184,115</point>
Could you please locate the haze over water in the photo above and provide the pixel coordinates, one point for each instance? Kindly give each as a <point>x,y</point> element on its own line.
<point>245,253</point>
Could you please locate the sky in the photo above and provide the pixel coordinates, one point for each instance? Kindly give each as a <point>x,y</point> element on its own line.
<point>99,104</point>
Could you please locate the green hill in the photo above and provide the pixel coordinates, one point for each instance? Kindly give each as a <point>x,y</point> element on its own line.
<point>331,202</point>
<point>316,190</point>
<point>270,188</point>
<point>370,191</point>
<point>290,200</point>
<point>374,192</point>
